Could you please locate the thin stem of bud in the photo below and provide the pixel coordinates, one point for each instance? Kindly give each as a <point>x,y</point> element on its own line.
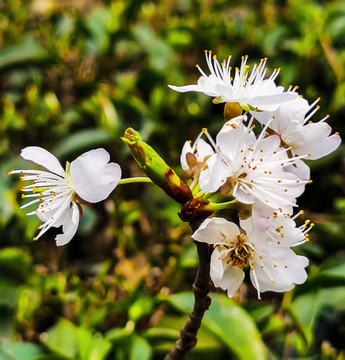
<point>140,179</point>
<point>233,204</point>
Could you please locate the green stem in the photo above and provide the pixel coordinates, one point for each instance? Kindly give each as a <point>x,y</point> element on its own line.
<point>140,179</point>
<point>222,206</point>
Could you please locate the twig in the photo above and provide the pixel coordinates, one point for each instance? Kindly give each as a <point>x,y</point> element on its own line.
<point>201,287</point>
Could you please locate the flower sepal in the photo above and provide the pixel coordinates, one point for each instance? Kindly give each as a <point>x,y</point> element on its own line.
<point>195,210</point>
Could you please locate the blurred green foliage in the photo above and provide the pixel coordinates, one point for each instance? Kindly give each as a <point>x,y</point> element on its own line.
<point>74,75</point>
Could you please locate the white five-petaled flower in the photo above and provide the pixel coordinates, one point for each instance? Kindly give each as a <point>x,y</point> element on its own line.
<point>273,265</point>
<point>291,121</point>
<point>90,177</point>
<point>251,168</point>
<point>195,153</point>
<point>251,90</point>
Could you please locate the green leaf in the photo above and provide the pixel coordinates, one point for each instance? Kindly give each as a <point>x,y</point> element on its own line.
<point>229,322</point>
<point>161,334</point>
<point>82,140</point>
<point>62,339</point>
<point>310,306</point>
<point>15,262</point>
<point>91,346</point>
<point>20,351</point>
<point>20,54</point>
<point>159,53</point>
<point>140,348</point>
<point>141,307</point>
<point>8,289</point>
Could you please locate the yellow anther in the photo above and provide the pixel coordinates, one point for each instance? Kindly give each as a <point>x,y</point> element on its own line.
<point>336,133</point>
<point>23,196</point>
<point>10,173</point>
<point>214,57</point>
<point>312,224</point>
<point>34,239</point>
<point>301,212</point>
<point>204,130</point>
<point>307,222</point>
<point>310,181</point>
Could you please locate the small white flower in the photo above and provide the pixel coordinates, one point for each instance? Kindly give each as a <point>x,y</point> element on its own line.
<point>191,155</point>
<point>273,265</point>
<point>251,91</point>
<point>90,177</point>
<point>251,168</point>
<point>291,121</point>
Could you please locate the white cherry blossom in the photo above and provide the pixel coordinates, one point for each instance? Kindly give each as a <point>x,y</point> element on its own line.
<point>251,168</point>
<point>273,265</point>
<point>251,90</point>
<point>90,177</point>
<point>291,121</point>
<point>192,154</point>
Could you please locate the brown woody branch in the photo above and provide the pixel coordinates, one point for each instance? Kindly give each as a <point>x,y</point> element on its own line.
<point>201,287</point>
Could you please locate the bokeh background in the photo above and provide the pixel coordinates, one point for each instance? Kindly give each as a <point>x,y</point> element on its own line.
<point>74,74</point>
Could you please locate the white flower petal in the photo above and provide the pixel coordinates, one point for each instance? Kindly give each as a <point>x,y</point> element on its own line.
<point>300,169</point>
<point>268,103</point>
<point>70,224</point>
<point>44,158</point>
<point>225,276</point>
<point>216,230</point>
<point>93,177</point>
<point>280,270</point>
<point>204,150</point>
<point>187,148</point>
<point>317,141</point>
<point>214,176</point>
<point>289,115</point>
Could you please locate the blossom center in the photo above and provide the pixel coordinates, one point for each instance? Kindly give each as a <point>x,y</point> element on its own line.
<point>239,253</point>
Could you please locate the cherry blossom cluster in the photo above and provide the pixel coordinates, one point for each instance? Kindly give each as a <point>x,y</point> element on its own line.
<point>257,160</point>
<point>256,163</point>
